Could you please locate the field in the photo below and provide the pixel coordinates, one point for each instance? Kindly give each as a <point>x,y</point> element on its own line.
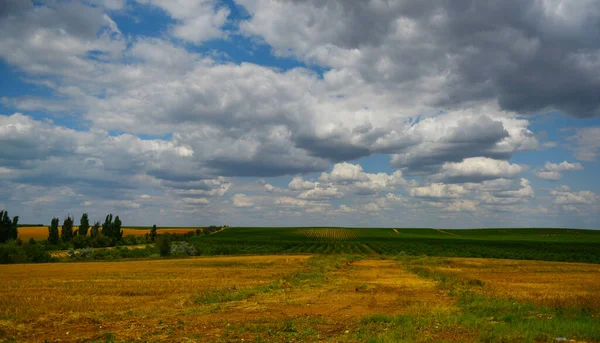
<point>316,284</point>
<point>525,244</point>
<point>41,232</point>
<point>301,298</point>
<point>566,245</point>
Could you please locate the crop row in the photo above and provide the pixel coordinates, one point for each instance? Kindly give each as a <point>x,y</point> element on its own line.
<point>573,252</point>
<point>332,234</point>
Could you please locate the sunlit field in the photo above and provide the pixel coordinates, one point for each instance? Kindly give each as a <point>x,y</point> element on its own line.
<point>41,232</point>
<point>334,298</point>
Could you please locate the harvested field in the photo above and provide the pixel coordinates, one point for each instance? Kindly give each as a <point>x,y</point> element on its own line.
<point>281,298</point>
<point>41,232</point>
<point>167,300</point>
<point>554,284</point>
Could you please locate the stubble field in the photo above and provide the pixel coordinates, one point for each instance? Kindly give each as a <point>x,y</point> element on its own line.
<point>41,232</point>
<point>301,298</point>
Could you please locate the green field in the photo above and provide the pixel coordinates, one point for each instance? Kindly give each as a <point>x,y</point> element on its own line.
<point>526,244</point>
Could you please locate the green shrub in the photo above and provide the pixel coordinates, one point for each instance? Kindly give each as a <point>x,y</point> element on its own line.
<point>182,249</point>
<point>12,252</point>
<point>80,241</point>
<point>163,243</point>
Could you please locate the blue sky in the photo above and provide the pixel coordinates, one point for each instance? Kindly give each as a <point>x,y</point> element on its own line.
<point>266,112</point>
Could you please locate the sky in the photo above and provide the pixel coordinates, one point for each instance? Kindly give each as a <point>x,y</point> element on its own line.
<point>366,113</point>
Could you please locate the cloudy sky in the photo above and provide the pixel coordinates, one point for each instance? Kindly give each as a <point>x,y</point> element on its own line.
<point>424,113</point>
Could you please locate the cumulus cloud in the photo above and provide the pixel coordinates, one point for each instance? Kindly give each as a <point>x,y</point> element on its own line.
<point>241,200</point>
<point>298,183</point>
<point>553,171</point>
<point>344,172</point>
<point>438,191</point>
<point>462,205</point>
<point>528,55</point>
<point>476,169</point>
<point>160,123</point>
<point>586,143</point>
<point>321,193</point>
<point>564,196</point>
<point>197,21</point>
<point>42,153</point>
<point>460,135</point>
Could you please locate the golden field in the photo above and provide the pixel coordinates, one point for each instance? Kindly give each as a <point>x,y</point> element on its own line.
<point>264,298</point>
<point>554,284</point>
<point>41,232</point>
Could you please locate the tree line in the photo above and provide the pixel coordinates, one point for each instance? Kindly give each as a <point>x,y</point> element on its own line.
<point>8,227</point>
<point>109,233</point>
<point>111,229</point>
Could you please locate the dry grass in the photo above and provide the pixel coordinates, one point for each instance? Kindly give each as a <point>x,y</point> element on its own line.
<point>84,300</point>
<point>234,298</point>
<point>554,284</point>
<point>41,232</point>
<point>171,300</point>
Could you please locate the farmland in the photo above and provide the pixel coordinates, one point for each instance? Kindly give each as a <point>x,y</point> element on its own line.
<point>310,284</point>
<point>41,232</point>
<point>567,245</point>
<point>525,244</point>
<point>332,298</point>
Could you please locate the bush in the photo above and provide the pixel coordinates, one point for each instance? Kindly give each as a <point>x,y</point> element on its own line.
<point>85,252</point>
<point>182,249</point>
<point>100,241</point>
<point>12,252</point>
<point>80,241</point>
<point>164,245</point>
<point>36,253</point>
<point>129,240</point>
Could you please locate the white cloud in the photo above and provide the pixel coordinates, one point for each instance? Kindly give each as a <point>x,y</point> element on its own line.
<point>566,197</point>
<point>344,172</point>
<point>398,82</point>
<point>242,200</point>
<point>478,169</point>
<point>438,190</point>
<point>552,171</point>
<point>299,183</point>
<point>198,20</point>
<point>586,143</point>
<point>321,193</point>
<point>462,205</point>
<point>372,207</point>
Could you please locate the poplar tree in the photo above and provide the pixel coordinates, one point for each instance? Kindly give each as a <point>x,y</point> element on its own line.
<point>53,231</point>
<point>153,233</point>
<point>116,229</point>
<point>107,226</point>
<point>8,227</point>
<point>95,230</point>
<point>84,225</point>
<point>67,230</point>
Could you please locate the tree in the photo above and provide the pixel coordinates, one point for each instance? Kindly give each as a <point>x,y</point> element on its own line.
<point>84,225</point>
<point>95,230</point>
<point>67,230</point>
<point>8,228</point>
<point>107,226</point>
<point>53,232</point>
<point>164,244</point>
<point>116,229</point>
<point>112,229</point>
<point>153,233</point>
